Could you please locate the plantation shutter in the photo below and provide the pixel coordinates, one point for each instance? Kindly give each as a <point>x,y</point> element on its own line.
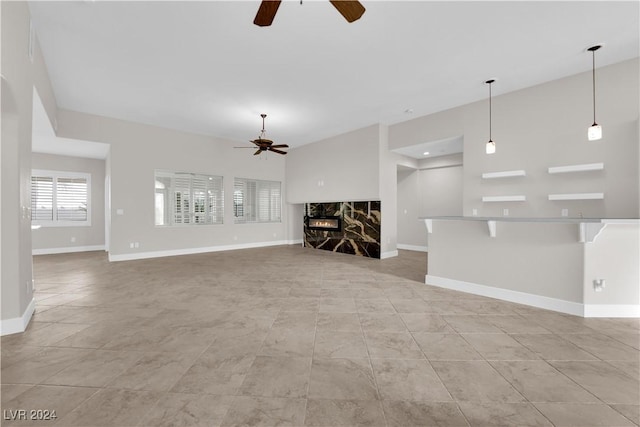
<point>181,195</point>
<point>215,200</point>
<point>71,199</point>
<point>256,200</point>
<point>42,198</point>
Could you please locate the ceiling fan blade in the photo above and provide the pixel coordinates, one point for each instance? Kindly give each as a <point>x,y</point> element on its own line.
<point>280,146</point>
<point>352,10</point>
<point>245,147</point>
<point>266,12</point>
<point>257,152</point>
<point>277,151</point>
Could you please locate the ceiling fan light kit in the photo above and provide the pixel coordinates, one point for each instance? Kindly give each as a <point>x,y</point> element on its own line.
<point>351,10</point>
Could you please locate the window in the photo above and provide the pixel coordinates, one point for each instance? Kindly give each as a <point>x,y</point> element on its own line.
<point>60,198</point>
<point>188,199</point>
<point>256,201</point>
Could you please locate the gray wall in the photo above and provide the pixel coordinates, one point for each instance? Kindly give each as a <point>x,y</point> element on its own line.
<point>535,258</point>
<point>19,75</point>
<point>137,150</point>
<point>59,239</point>
<point>345,167</point>
<point>534,129</point>
<point>544,126</point>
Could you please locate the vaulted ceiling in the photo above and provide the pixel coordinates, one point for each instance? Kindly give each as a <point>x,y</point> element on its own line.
<point>204,67</point>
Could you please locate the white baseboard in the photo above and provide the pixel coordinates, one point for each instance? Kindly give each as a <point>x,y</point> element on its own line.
<point>611,310</point>
<point>569,307</point>
<point>191,251</point>
<point>412,248</point>
<point>18,324</point>
<point>49,251</point>
<point>390,254</point>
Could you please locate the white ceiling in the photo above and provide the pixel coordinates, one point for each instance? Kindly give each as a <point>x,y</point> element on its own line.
<point>204,67</point>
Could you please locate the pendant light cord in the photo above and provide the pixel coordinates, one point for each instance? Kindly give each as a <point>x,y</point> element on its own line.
<point>490,139</point>
<point>593,53</point>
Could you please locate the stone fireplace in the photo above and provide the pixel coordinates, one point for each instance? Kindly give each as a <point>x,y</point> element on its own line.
<point>345,227</point>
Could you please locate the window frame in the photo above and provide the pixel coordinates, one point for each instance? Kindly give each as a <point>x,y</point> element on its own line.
<point>55,175</point>
<point>191,204</point>
<point>247,207</point>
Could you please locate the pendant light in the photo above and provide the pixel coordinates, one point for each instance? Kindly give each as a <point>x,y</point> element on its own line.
<point>594,132</point>
<point>490,147</point>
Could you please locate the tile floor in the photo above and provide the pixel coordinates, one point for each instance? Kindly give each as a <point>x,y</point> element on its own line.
<point>292,336</point>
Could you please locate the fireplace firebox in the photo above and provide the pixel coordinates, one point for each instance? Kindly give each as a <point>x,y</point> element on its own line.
<point>325,223</point>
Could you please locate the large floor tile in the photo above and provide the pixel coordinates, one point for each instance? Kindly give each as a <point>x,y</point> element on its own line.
<point>414,414</point>
<point>343,379</point>
<point>540,382</point>
<point>552,347</point>
<point>476,381</point>
<point>413,380</point>
<point>277,377</point>
<point>602,346</point>
<point>188,410</point>
<point>288,342</point>
<point>109,407</point>
<point>265,412</point>
<point>155,371</point>
<point>95,369</point>
<point>339,344</point>
<point>499,347</point>
<point>215,374</point>
<point>420,322</point>
<point>338,322</point>
<point>56,400</point>
<point>392,345</point>
<point>41,366</point>
<point>473,323</point>
<point>503,414</point>
<point>325,412</point>
<point>582,415</point>
<point>445,346</point>
<point>382,322</point>
<point>603,380</point>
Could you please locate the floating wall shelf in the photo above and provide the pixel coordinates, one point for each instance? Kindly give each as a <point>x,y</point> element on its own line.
<point>504,198</point>
<point>505,174</point>
<point>577,196</point>
<point>577,168</point>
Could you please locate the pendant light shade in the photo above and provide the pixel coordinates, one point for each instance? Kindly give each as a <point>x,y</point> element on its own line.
<point>490,146</point>
<point>594,132</point>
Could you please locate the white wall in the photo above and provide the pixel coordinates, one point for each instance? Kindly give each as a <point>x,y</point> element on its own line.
<point>19,75</point>
<point>137,150</point>
<point>343,168</point>
<point>615,257</point>
<point>411,231</point>
<point>59,239</point>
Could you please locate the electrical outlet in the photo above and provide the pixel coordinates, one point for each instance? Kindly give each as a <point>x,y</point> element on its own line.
<point>564,212</point>
<point>73,240</point>
<point>599,285</point>
<point>136,245</point>
<point>505,212</point>
<point>131,245</point>
<point>474,212</point>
